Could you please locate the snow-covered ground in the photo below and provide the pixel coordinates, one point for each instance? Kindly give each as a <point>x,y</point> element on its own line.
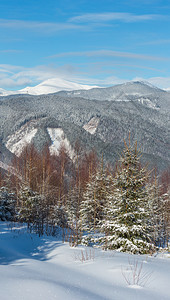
<point>33,268</point>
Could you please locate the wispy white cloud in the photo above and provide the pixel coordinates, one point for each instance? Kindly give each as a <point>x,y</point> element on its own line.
<point>8,82</point>
<point>44,72</point>
<point>46,27</point>
<point>10,51</point>
<point>110,64</point>
<point>114,16</point>
<point>108,81</point>
<point>161,82</point>
<point>81,22</point>
<point>17,76</point>
<point>108,53</point>
<point>157,42</point>
<point>10,67</point>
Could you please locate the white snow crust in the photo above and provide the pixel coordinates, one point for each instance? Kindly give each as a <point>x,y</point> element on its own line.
<point>33,268</point>
<point>21,138</point>
<point>59,139</point>
<point>91,126</point>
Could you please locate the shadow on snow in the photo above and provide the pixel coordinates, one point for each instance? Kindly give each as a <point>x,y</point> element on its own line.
<point>17,243</point>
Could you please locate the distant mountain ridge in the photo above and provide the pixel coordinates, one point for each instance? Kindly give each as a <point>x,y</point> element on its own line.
<point>142,92</point>
<point>99,118</point>
<point>52,85</point>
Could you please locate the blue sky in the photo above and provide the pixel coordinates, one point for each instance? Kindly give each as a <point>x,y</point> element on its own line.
<point>101,42</point>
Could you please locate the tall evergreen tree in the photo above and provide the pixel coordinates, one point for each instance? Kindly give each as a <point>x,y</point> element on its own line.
<point>157,205</point>
<point>127,225</point>
<point>93,204</point>
<point>28,205</point>
<point>7,204</point>
<point>74,197</point>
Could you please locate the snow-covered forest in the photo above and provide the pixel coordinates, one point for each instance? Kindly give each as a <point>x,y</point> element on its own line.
<point>123,207</point>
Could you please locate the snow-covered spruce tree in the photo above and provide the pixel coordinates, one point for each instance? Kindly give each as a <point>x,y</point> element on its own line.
<point>93,205</point>
<point>157,208</point>
<point>164,216</point>
<point>7,204</point>
<point>40,215</point>
<point>26,209</point>
<point>57,218</point>
<point>31,209</point>
<point>128,224</point>
<point>73,212</point>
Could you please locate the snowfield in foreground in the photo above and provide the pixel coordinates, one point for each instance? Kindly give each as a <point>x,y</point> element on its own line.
<point>33,268</point>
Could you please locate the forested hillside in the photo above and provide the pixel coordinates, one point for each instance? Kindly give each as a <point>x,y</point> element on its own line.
<point>99,124</point>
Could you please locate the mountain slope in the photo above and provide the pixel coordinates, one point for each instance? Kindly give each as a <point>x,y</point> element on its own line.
<point>131,91</point>
<point>102,125</point>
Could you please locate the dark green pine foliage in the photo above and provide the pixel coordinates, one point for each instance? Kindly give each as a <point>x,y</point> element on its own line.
<point>128,226</point>
<point>31,210</point>
<point>93,206</point>
<point>73,214</point>
<point>58,217</point>
<point>26,209</point>
<point>159,206</point>
<point>7,205</point>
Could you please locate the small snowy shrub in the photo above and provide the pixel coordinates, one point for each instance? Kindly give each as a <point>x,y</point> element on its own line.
<point>85,255</point>
<point>134,273</point>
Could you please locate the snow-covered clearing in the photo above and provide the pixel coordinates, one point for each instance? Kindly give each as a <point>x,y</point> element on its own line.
<point>92,125</point>
<point>33,268</point>
<point>21,138</point>
<point>59,139</point>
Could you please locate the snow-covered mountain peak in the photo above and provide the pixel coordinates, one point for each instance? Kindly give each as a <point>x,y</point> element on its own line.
<point>140,87</point>
<point>54,85</point>
<point>146,83</point>
<point>48,86</point>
